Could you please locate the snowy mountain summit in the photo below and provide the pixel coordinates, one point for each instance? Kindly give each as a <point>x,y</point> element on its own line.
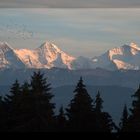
<point>8,58</point>
<point>46,56</point>
<point>124,57</point>
<point>49,55</point>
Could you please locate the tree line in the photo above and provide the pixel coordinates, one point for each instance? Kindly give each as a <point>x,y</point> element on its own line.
<point>28,108</point>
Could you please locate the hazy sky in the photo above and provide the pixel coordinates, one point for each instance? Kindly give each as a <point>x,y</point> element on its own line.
<point>87,32</point>
<point>70,3</point>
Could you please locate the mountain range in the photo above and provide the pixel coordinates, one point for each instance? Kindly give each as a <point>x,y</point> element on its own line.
<point>49,55</point>
<point>115,73</point>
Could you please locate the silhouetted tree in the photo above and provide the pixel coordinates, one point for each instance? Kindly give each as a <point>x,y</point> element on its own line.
<point>3,115</point>
<point>80,111</point>
<point>61,120</point>
<point>25,108</point>
<point>12,102</point>
<point>25,89</point>
<point>98,112</point>
<point>107,123</point>
<point>134,119</point>
<point>14,95</point>
<point>26,97</point>
<point>42,108</point>
<point>29,105</point>
<point>104,122</point>
<point>124,120</point>
<point>98,103</point>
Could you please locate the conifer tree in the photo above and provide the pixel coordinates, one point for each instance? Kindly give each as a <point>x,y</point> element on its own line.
<point>14,95</point>
<point>30,107</point>
<point>98,112</point>
<point>42,108</point>
<point>98,102</point>
<point>26,97</point>
<point>80,111</point>
<point>25,108</point>
<point>25,89</point>
<point>134,119</point>
<point>124,120</point>
<point>61,120</point>
<point>104,122</point>
<point>107,123</point>
<point>12,103</point>
<point>3,115</point>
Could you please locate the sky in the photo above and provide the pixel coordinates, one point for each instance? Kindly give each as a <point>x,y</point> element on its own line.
<point>79,32</point>
<point>70,3</point>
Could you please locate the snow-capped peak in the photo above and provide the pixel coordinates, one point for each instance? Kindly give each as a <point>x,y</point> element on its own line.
<point>47,55</point>
<point>4,46</point>
<point>131,46</point>
<point>47,46</point>
<point>123,51</point>
<point>124,57</point>
<point>134,45</point>
<point>8,58</point>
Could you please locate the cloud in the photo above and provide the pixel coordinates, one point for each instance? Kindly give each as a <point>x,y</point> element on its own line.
<point>69,3</point>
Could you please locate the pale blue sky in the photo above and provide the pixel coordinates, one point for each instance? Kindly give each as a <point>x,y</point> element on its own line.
<point>87,32</point>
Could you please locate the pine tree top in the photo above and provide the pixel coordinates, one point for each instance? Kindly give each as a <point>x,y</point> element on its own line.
<point>80,87</point>
<point>61,111</point>
<point>125,113</point>
<point>98,102</point>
